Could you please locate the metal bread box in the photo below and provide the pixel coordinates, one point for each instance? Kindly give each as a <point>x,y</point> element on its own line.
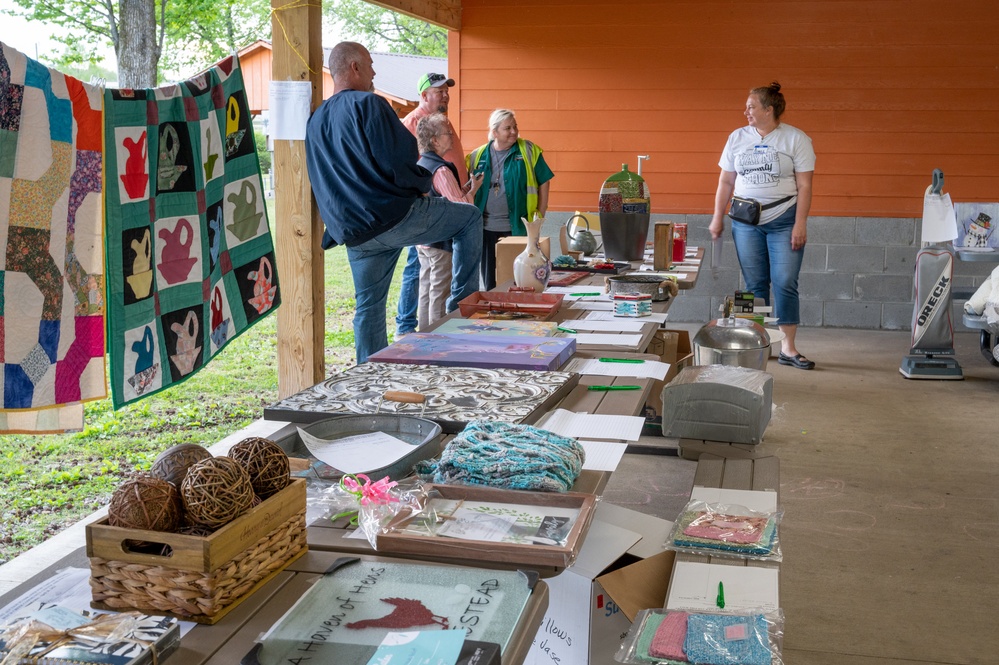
<point>718,403</point>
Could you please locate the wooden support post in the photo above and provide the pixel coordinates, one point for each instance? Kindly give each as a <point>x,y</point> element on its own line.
<point>297,56</point>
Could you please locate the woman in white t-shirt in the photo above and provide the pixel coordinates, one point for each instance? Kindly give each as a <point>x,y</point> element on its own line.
<point>771,162</point>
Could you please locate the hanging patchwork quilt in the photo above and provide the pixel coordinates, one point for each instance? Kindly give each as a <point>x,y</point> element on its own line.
<point>189,251</point>
<point>51,250</point>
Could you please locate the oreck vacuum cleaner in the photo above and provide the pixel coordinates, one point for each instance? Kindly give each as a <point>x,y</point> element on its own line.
<point>932,348</point>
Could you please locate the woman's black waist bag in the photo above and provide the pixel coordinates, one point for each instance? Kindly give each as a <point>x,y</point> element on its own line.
<point>748,211</point>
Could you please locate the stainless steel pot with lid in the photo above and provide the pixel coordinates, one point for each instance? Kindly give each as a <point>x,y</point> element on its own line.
<point>732,341</point>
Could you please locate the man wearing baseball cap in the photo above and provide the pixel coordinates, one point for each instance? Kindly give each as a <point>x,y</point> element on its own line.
<point>434,98</point>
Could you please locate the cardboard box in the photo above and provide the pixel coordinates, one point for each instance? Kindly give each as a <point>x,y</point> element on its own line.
<point>673,347</point>
<point>621,569</point>
<point>507,249</point>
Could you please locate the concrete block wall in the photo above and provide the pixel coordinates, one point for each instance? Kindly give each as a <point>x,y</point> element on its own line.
<point>857,272</point>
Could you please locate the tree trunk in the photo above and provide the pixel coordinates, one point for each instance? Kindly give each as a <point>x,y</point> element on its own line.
<point>138,52</point>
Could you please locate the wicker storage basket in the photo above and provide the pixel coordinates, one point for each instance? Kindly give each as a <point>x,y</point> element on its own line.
<point>199,578</point>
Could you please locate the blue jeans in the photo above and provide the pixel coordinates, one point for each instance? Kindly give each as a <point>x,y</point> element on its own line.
<point>409,295</point>
<point>431,219</point>
<point>766,258</point>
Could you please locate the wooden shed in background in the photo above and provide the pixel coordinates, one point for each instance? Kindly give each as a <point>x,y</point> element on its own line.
<point>396,81</point>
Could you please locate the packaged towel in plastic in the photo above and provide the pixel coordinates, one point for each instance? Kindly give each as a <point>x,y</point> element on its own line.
<point>718,529</point>
<point>672,637</point>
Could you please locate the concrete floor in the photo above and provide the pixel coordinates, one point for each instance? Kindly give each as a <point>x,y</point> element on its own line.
<point>890,491</point>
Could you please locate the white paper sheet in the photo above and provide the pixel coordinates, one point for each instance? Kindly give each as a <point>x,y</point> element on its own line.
<point>69,588</point>
<point>603,455</point>
<point>467,525</point>
<point>604,339</point>
<point>695,587</point>
<point>357,454</point>
<point>759,500</point>
<point>650,369</point>
<point>290,102</point>
<point>665,274</point>
<point>621,324</point>
<point>593,305</point>
<point>690,261</point>
<point>593,426</point>
<point>570,293</point>
<point>658,317</point>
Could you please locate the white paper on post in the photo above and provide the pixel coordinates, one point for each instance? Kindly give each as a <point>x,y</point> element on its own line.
<point>357,454</point>
<point>290,103</point>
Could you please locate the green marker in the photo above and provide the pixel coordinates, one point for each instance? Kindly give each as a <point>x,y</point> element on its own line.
<point>613,387</point>
<point>622,360</point>
<point>566,330</point>
<point>720,600</point>
<point>583,295</point>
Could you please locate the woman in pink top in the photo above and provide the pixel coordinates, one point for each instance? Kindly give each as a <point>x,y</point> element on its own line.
<point>434,138</point>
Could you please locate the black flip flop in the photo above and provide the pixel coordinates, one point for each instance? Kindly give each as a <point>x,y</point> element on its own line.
<point>799,361</point>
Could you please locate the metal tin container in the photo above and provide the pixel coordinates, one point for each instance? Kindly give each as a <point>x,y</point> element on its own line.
<point>423,434</point>
<point>654,285</point>
<point>732,341</point>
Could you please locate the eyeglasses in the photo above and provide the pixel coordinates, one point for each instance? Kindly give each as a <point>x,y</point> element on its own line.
<point>434,78</point>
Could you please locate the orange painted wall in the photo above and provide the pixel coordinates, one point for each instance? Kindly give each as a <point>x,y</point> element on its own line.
<point>887,89</point>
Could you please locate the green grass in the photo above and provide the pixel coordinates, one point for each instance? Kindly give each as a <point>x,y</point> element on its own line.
<point>49,482</point>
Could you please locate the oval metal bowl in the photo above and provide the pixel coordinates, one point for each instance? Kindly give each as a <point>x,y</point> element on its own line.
<point>423,434</point>
<point>653,285</point>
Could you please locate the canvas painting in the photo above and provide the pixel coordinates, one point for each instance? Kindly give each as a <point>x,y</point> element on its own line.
<point>976,226</point>
<point>509,328</point>
<point>540,353</point>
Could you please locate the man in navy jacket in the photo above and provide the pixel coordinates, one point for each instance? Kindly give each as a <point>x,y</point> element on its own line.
<point>372,195</point>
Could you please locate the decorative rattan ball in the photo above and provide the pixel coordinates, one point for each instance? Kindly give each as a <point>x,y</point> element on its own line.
<point>145,502</point>
<point>266,463</point>
<point>172,464</point>
<point>216,491</point>
<point>196,530</point>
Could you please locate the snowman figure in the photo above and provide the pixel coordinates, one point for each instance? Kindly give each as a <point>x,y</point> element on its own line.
<point>978,232</point>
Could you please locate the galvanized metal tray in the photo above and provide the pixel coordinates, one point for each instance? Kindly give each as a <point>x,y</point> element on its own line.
<point>424,435</point>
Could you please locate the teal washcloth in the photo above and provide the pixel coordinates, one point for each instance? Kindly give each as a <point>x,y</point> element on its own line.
<point>719,639</point>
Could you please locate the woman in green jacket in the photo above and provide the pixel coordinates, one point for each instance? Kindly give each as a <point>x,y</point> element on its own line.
<point>514,185</point>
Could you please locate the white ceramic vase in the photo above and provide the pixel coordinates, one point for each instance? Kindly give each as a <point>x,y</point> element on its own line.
<point>532,268</point>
